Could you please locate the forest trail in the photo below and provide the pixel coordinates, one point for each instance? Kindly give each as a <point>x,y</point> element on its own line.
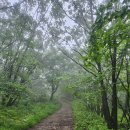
<point>60,120</point>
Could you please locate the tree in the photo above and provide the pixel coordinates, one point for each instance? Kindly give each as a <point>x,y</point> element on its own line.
<point>108,45</point>
<point>54,67</point>
<point>18,50</point>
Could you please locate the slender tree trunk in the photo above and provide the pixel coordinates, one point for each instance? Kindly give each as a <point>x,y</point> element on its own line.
<point>128,85</point>
<point>91,10</point>
<point>52,91</point>
<point>105,106</point>
<point>114,122</point>
<point>127,103</point>
<point>51,97</point>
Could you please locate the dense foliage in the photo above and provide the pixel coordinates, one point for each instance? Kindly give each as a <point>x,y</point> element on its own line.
<point>85,119</point>
<point>109,50</point>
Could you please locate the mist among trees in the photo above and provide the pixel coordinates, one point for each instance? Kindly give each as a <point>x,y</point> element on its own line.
<point>74,51</point>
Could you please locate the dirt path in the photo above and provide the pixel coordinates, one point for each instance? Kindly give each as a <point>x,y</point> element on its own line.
<point>60,120</point>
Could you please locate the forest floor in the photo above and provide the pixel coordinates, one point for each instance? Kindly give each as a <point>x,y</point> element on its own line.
<point>60,120</point>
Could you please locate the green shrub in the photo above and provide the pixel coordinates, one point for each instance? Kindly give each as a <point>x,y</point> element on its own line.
<point>23,117</point>
<point>85,119</point>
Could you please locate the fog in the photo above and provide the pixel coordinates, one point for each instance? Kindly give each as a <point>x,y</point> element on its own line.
<point>66,55</point>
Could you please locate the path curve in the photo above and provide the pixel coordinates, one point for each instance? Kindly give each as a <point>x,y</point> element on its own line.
<point>60,120</point>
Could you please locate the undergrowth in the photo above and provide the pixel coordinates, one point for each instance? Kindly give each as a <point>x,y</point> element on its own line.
<point>85,119</point>
<point>23,117</point>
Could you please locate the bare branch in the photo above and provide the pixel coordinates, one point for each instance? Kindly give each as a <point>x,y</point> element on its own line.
<point>77,63</point>
<point>70,16</point>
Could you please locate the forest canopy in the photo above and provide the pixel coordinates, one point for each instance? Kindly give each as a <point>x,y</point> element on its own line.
<point>67,50</point>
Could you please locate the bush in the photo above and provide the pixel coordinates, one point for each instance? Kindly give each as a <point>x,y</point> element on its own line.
<point>23,117</point>
<point>85,119</point>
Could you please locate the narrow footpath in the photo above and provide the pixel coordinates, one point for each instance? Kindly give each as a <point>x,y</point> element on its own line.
<point>60,120</point>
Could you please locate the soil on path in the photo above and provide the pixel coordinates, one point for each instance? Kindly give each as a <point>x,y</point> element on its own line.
<point>60,120</point>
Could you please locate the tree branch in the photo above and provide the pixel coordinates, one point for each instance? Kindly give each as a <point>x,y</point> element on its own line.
<point>78,63</point>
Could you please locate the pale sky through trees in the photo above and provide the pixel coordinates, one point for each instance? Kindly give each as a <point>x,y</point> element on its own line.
<point>68,21</point>
<point>13,1</point>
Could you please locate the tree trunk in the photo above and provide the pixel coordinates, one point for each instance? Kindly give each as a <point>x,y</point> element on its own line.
<point>52,95</point>
<point>91,10</point>
<point>105,106</point>
<point>128,86</point>
<point>114,122</point>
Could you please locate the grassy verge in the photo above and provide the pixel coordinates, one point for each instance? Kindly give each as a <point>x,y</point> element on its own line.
<point>85,119</point>
<point>23,117</point>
